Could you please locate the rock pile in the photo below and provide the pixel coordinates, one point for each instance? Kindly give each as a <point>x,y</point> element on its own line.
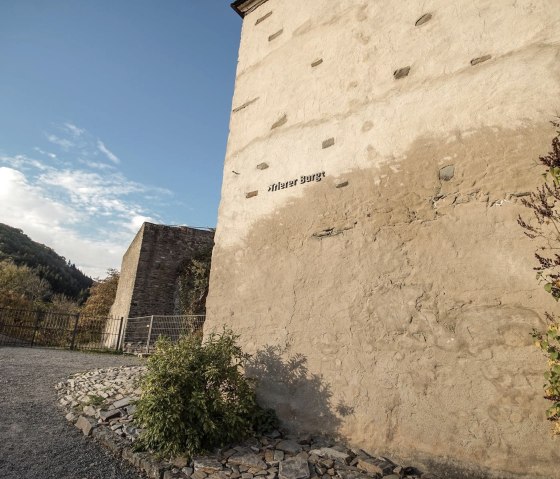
<point>101,404</point>
<point>103,397</point>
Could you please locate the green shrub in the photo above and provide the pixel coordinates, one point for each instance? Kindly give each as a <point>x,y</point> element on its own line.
<point>544,228</point>
<point>549,342</point>
<point>195,397</point>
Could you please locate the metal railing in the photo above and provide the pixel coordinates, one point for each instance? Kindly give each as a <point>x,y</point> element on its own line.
<point>57,329</point>
<point>74,331</point>
<point>141,334</point>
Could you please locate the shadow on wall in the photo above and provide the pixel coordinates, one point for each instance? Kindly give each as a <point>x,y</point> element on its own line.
<point>302,401</point>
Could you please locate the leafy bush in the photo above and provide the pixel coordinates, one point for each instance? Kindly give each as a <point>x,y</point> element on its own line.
<point>544,228</point>
<point>549,342</point>
<point>193,283</point>
<point>195,397</point>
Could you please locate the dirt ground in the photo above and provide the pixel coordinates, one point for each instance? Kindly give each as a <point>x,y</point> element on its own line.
<point>36,441</point>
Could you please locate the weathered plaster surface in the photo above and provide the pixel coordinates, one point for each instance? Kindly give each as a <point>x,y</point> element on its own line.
<point>409,293</point>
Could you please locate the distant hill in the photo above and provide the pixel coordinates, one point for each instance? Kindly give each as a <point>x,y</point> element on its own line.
<point>63,276</point>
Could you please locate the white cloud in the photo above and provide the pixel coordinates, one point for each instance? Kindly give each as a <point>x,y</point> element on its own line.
<point>62,142</point>
<point>83,216</point>
<point>91,190</point>
<point>137,221</point>
<point>22,162</point>
<point>108,153</point>
<point>83,208</point>
<point>97,165</point>
<point>51,222</point>
<point>56,224</point>
<point>28,204</point>
<point>46,153</point>
<point>74,130</point>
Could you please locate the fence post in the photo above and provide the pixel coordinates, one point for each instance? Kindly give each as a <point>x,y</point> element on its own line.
<point>73,342</point>
<point>37,320</point>
<point>119,335</point>
<point>149,334</point>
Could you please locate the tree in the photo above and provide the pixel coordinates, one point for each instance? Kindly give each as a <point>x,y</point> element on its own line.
<point>63,277</point>
<point>63,304</point>
<point>21,287</point>
<point>544,229</point>
<point>102,295</point>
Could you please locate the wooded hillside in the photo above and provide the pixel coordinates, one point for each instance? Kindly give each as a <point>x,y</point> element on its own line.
<point>62,275</point>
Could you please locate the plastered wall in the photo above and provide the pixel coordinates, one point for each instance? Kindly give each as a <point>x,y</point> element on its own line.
<point>367,248</point>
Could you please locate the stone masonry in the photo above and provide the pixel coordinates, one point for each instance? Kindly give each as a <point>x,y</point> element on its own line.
<point>377,158</point>
<point>150,270</point>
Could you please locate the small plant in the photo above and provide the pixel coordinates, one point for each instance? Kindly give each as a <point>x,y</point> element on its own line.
<point>195,397</point>
<point>96,400</point>
<point>544,228</point>
<point>549,342</point>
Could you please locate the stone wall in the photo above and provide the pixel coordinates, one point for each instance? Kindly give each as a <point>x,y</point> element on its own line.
<point>367,230</point>
<point>129,268</point>
<point>150,268</point>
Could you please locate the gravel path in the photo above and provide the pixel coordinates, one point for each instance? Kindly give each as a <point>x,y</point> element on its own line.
<point>36,442</point>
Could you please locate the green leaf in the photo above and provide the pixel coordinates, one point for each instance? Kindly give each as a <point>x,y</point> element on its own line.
<point>548,287</point>
<point>195,397</point>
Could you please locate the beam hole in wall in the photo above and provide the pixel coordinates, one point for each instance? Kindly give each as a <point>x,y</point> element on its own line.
<point>328,143</point>
<point>262,166</point>
<point>368,125</point>
<point>476,61</point>
<point>251,194</point>
<point>316,63</point>
<point>263,18</point>
<point>275,35</point>
<point>245,105</point>
<point>423,19</point>
<point>282,121</point>
<point>447,173</point>
<point>401,73</point>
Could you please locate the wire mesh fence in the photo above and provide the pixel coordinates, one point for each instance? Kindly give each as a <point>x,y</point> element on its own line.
<point>57,329</point>
<point>76,331</point>
<point>141,334</point>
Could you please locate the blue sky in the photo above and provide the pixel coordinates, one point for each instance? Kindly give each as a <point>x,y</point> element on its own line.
<point>112,113</point>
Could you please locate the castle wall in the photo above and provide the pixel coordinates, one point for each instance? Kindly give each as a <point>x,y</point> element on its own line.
<point>164,249</point>
<point>127,277</point>
<point>367,225</point>
<point>150,269</point>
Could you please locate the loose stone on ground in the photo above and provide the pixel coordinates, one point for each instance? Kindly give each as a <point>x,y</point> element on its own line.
<point>101,404</point>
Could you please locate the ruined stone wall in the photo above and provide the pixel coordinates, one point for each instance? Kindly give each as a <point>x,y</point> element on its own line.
<point>127,277</point>
<point>397,274</point>
<point>151,266</point>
